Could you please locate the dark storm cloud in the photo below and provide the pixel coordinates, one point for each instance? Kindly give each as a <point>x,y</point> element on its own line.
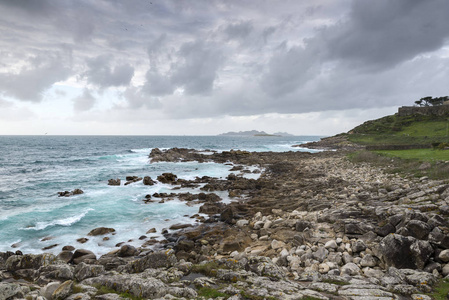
<point>383,33</point>
<point>198,68</point>
<point>103,75</point>
<point>214,58</point>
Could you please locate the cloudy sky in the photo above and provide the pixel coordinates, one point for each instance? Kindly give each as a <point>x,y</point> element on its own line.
<point>181,67</point>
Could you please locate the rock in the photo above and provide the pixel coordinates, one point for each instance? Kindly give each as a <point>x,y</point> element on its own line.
<point>152,260</point>
<point>10,291</point>
<point>320,254</point>
<point>445,270</point>
<point>332,244</point>
<point>100,231</point>
<point>82,240</point>
<point>418,229</point>
<point>405,252</point>
<point>385,230</point>
<point>57,271</point>
<point>301,225</point>
<point>241,223</point>
<point>72,193</point>
<point>83,271</point>
<point>358,246</point>
<point>152,230</point>
<point>49,289</point>
<point>114,181</point>
<point>350,269</point>
<point>227,215</point>
<point>29,261</point>
<point>277,244</point>
<point>127,251</point>
<point>179,226</point>
<point>168,178</point>
<point>444,255</point>
<point>148,181</point>
<point>63,291</point>
<point>368,261</point>
<point>81,255</point>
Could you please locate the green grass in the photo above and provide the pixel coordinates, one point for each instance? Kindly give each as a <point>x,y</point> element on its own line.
<point>336,282</point>
<point>207,293</point>
<point>208,269</point>
<point>419,154</point>
<point>441,290</point>
<point>395,130</point>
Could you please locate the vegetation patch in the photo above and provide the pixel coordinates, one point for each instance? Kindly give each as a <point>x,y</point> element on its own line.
<point>440,290</point>
<point>208,269</point>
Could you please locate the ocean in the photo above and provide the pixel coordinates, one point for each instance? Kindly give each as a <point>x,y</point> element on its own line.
<point>33,169</point>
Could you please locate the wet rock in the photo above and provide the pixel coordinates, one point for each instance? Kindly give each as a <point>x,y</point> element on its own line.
<point>148,181</point>
<point>168,178</point>
<point>114,182</point>
<point>132,179</point>
<point>127,251</point>
<point>179,226</point>
<point>72,193</point>
<point>100,231</point>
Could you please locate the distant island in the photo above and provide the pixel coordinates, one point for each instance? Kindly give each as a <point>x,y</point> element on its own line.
<point>254,133</point>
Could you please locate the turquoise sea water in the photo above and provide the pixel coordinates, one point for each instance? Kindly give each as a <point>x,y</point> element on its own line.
<point>34,168</point>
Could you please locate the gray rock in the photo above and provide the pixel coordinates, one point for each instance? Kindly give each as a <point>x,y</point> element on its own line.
<point>57,271</point>
<point>10,291</point>
<point>368,261</point>
<point>350,269</point>
<point>332,244</point>
<point>444,255</point>
<point>152,260</point>
<point>49,289</point>
<point>320,254</point>
<point>137,285</point>
<point>418,229</point>
<point>405,252</point>
<point>82,255</point>
<point>29,261</point>
<point>83,271</point>
<point>63,291</point>
<point>358,246</point>
<point>127,251</point>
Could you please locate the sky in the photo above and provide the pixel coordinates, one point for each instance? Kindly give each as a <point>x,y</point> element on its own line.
<point>203,67</point>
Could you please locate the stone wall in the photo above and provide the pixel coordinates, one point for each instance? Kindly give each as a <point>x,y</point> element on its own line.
<point>440,110</point>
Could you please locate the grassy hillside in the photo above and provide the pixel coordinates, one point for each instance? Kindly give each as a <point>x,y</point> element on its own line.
<point>423,133</point>
<point>407,130</point>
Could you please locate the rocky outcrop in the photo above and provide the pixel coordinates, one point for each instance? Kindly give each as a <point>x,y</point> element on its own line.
<point>72,193</point>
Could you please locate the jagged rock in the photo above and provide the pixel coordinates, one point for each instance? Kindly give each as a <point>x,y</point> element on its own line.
<point>368,261</point>
<point>29,261</point>
<point>65,256</point>
<point>152,260</point>
<point>115,182</point>
<point>57,271</point>
<point>418,229</point>
<point>10,291</point>
<point>83,271</point>
<point>145,287</point>
<point>100,231</point>
<point>405,252</point>
<point>72,193</point>
<point>169,178</point>
<point>148,181</point>
<point>63,291</point>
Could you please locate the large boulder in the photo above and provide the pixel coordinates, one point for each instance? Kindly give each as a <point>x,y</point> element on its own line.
<point>83,271</point>
<point>82,255</point>
<point>114,181</point>
<point>405,252</point>
<point>29,261</point>
<point>162,259</point>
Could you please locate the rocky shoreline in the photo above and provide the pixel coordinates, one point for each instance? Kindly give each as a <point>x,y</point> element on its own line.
<point>312,226</point>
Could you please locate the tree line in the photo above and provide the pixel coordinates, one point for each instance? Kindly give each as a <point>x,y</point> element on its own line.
<point>429,101</point>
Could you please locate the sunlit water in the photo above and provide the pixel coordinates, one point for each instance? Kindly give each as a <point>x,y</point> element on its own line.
<point>34,168</point>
